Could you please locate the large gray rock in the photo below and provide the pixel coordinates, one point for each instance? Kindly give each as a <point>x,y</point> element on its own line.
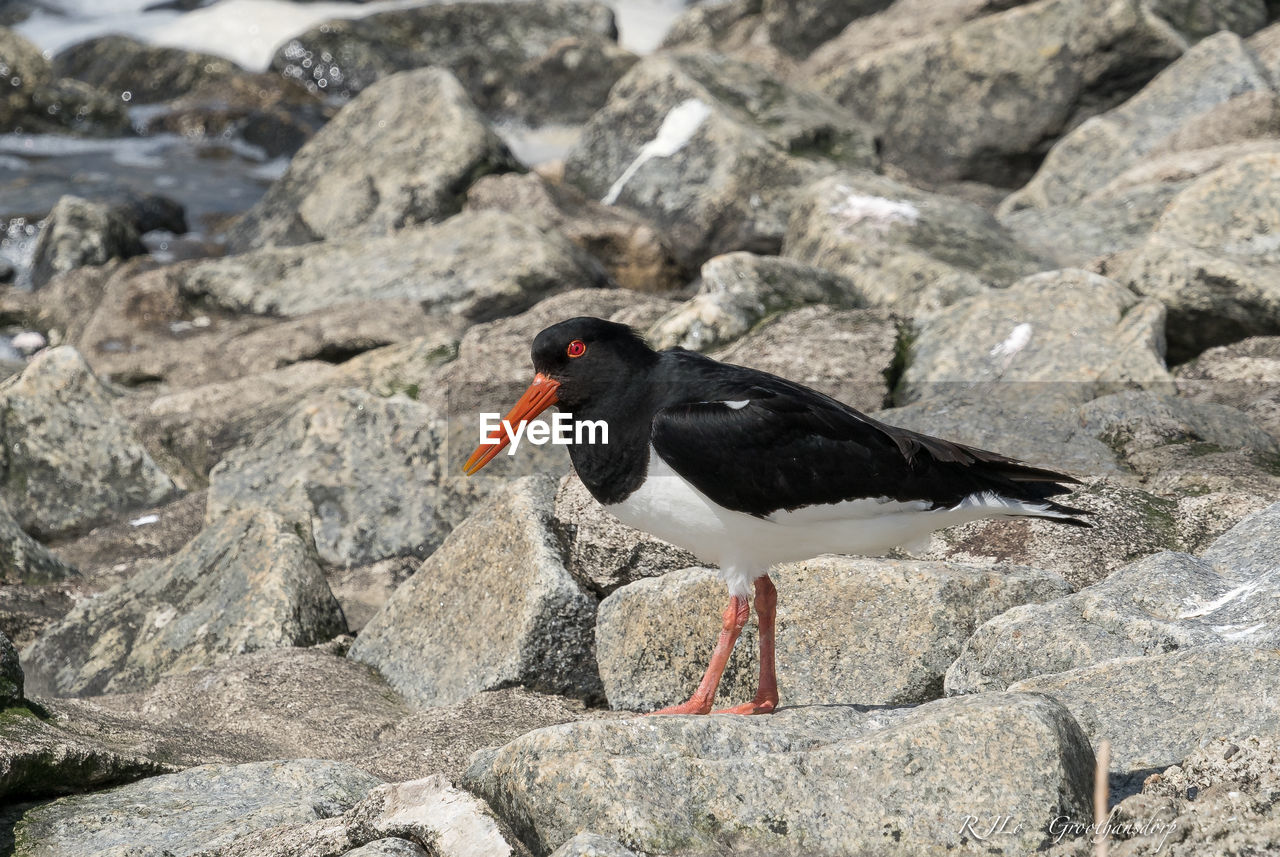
<point>902,247</point>
<point>736,291</point>
<point>10,674</point>
<point>654,637</point>
<point>1156,709</point>
<point>25,560</point>
<point>711,149</point>
<point>368,172</point>
<point>451,822</point>
<point>475,266</point>
<point>186,812</point>
<point>1218,273</point>
<point>1037,69</point>
<point>635,254</point>
<point>1209,74</point>
<point>1127,523</point>
<point>1140,420</point>
<point>486,46</point>
<point>358,474</point>
<point>1244,375</point>
<point>1159,604</point>
<point>847,354</point>
<point>246,582</point>
<point>1077,330</point>
<point>149,73</point>
<point>79,232</point>
<point>40,757</point>
<point>492,607</point>
<point>604,553</point>
<point>818,780</point>
<point>71,461</point>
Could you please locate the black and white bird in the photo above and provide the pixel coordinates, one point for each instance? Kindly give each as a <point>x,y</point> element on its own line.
<point>747,470</point>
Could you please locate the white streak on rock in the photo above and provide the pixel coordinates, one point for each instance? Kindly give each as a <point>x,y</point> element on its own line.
<point>144,520</point>
<point>1204,609</point>
<point>1015,342</point>
<point>678,128</point>
<point>875,211</point>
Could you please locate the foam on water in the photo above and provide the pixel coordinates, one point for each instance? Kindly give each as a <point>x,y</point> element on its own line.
<point>249,31</point>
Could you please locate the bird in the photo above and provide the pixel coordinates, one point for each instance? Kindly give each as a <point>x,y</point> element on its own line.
<point>747,470</point>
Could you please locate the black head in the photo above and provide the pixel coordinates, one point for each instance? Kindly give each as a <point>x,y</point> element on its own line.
<point>590,358</point>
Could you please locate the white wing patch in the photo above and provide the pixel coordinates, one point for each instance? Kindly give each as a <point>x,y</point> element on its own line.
<point>738,404</point>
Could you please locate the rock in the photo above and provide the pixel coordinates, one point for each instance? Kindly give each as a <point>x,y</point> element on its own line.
<point>1080,235</point>
<point>1155,710</point>
<point>567,84</point>
<point>1162,603</point>
<point>1037,69</point>
<point>25,560</point>
<point>485,46</point>
<point>903,248</point>
<point>368,173</point>
<point>39,757</point>
<point>1082,331</point>
<point>798,28</point>
<point>1127,524</point>
<point>604,553</point>
<point>201,807</point>
<point>10,674</point>
<point>711,150</point>
<point>504,563</point>
<point>149,73</point>
<point>787,783</point>
<point>68,106</point>
<point>144,333</point>
<point>280,703</point>
<point>264,110</point>
<point>1208,75</point>
<point>452,822</point>
<point>197,427</point>
<point>592,845</point>
<point>247,582</point>
<point>355,473</point>
<point>1217,801</point>
<point>634,253</point>
<point>654,637</point>
<point>739,290</point>
<point>1214,271</point>
<point>389,847</point>
<point>27,71</point>
<point>1250,116</point>
<point>474,266</point>
<point>72,461</point>
<point>79,232</point>
<point>847,354</point>
<point>1244,375</point>
<point>1137,421</point>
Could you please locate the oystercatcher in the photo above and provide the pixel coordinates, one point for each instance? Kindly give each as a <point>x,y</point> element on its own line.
<point>746,470</point>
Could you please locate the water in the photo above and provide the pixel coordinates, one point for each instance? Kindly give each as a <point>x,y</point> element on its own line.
<point>214,179</point>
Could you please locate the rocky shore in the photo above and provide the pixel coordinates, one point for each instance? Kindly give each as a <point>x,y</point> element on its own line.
<point>249,604</point>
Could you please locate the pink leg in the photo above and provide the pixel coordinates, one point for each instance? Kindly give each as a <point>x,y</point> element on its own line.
<point>735,617</point>
<point>766,699</point>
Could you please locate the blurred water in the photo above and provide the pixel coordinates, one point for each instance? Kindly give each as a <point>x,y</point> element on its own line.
<point>249,31</point>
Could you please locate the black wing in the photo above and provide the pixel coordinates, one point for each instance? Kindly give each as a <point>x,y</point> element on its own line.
<point>791,447</point>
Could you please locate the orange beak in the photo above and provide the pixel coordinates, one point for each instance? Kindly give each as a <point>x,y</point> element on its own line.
<point>540,396</point>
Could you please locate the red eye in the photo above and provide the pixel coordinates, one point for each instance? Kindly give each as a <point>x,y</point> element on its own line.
<point>577,348</point>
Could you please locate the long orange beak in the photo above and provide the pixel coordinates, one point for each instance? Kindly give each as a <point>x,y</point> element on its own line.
<point>540,396</point>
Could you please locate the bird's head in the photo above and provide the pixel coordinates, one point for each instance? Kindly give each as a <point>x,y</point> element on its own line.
<point>577,363</point>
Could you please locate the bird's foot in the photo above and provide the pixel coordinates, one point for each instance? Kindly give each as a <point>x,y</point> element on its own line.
<point>755,706</point>
<point>693,706</point>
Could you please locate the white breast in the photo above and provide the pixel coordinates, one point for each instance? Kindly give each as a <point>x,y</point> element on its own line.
<point>744,546</point>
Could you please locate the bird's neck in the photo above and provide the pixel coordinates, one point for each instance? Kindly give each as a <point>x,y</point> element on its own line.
<point>612,471</point>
